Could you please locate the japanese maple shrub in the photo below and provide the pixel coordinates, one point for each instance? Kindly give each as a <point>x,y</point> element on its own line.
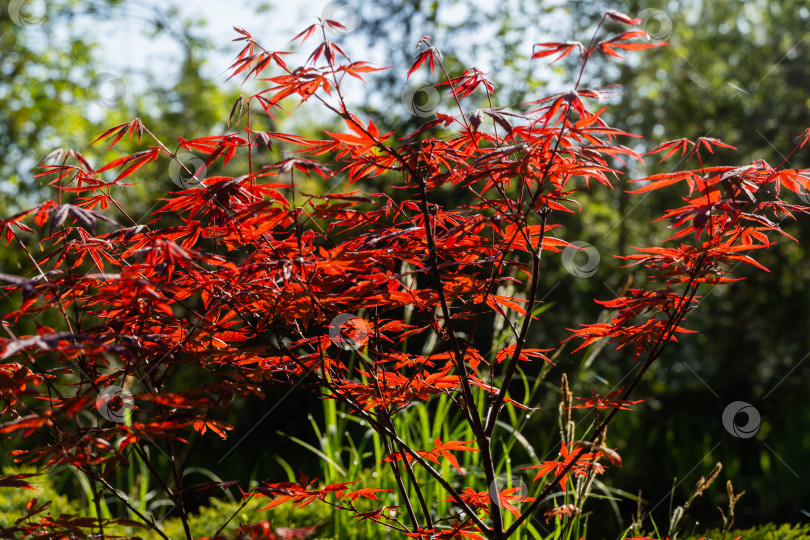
<point>244,278</point>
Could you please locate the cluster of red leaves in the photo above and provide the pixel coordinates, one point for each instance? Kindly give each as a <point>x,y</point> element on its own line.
<point>238,279</point>
<point>576,463</point>
<point>440,450</point>
<point>301,494</point>
<point>482,500</point>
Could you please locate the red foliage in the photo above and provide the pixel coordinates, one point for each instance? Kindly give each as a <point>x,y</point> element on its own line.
<point>234,276</point>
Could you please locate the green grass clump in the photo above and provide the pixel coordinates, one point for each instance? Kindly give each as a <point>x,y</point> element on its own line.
<point>769,531</point>
<point>205,521</point>
<point>14,500</point>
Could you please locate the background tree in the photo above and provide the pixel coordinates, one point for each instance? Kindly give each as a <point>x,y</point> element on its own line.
<point>735,71</point>
<point>54,94</point>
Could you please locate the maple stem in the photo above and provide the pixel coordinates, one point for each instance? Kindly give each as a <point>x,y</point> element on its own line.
<point>495,406</point>
<point>470,410</point>
<point>385,417</point>
<point>455,97</point>
<point>661,343</point>
<point>483,440</point>
<point>401,484</point>
<point>458,355</point>
<point>172,155</point>
<point>494,502</point>
<point>245,501</point>
<point>97,504</point>
<point>178,497</point>
<point>378,426</point>
<point>149,522</point>
<point>382,428</point>
<point>57,297</point>
<point>398,477</point>
<point>174,496</point>
<point>149,465</point>
<point>416,486</point>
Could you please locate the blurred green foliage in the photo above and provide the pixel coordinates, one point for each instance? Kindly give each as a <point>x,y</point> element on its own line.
<point>203,522</point>
<point>54,95</point>
<point>735,71</point>
<point>14,500</point>
<point>769,531</point>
